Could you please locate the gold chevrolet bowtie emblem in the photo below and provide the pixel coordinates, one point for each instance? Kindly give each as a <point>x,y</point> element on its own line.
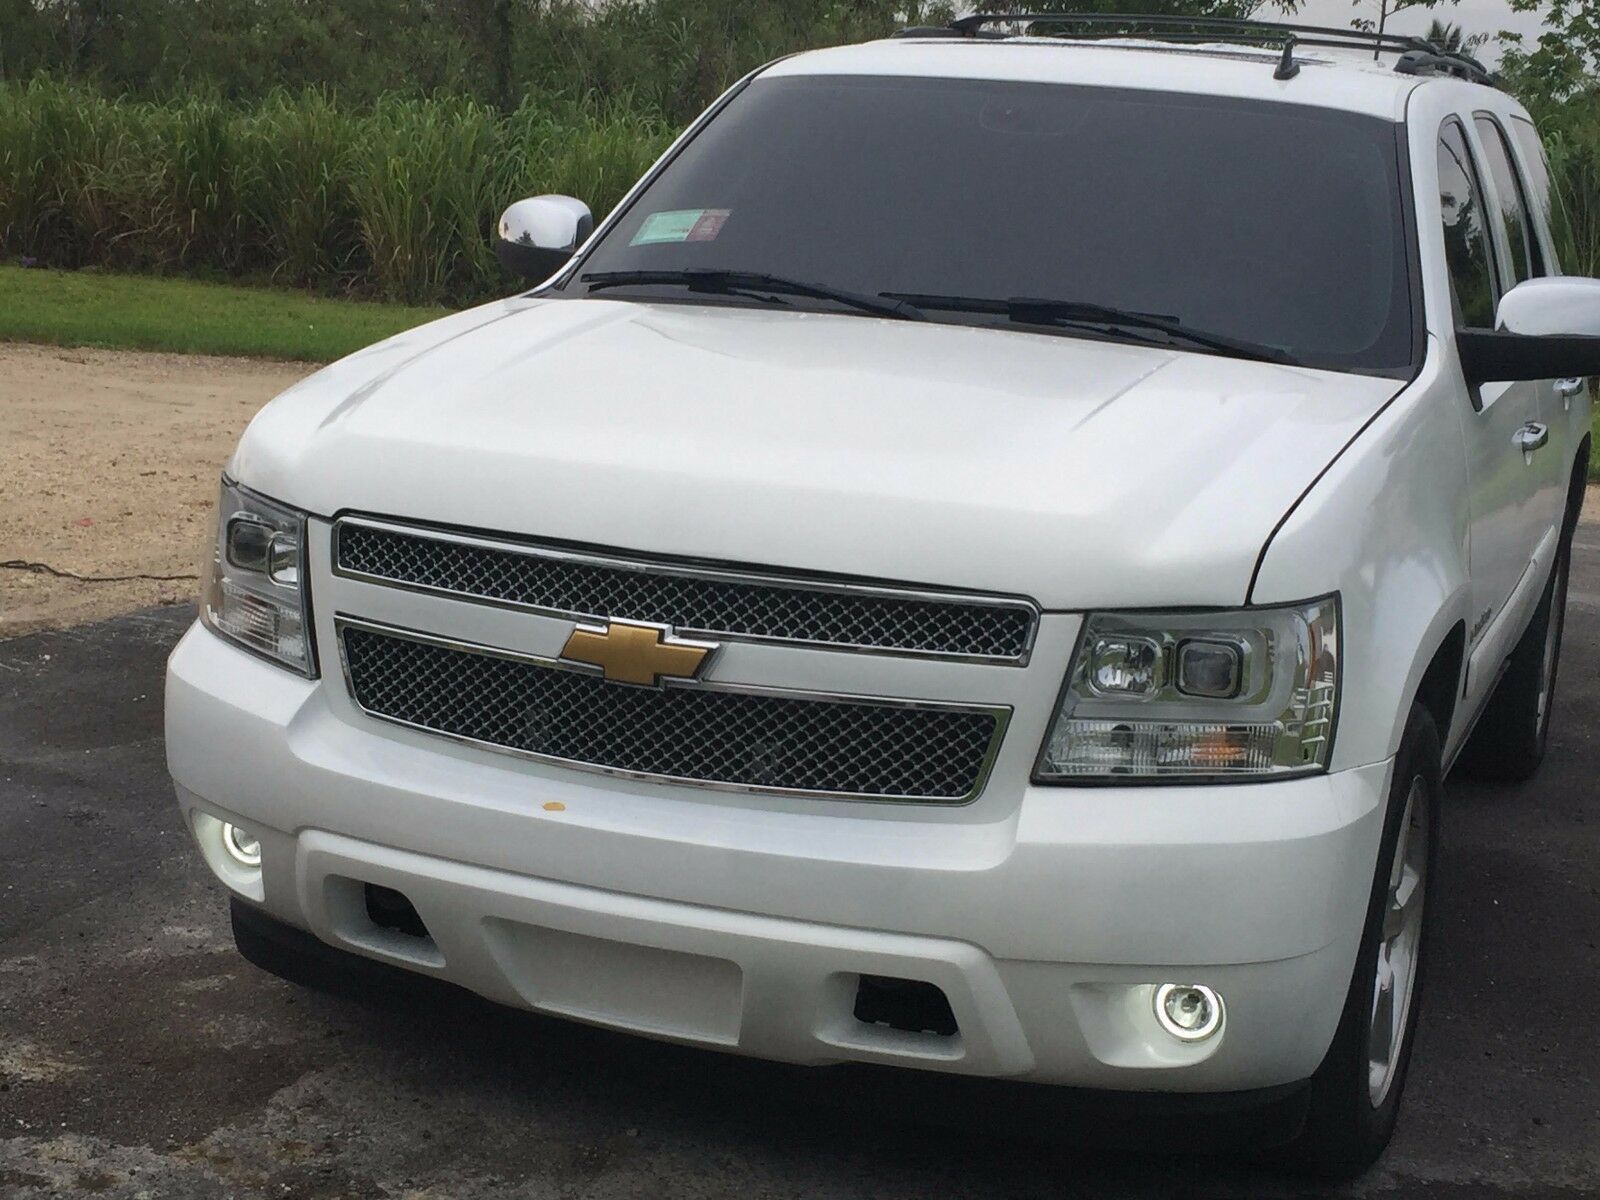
<point>634,653</point>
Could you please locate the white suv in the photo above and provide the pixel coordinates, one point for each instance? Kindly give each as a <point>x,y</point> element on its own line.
<point>980,563</point>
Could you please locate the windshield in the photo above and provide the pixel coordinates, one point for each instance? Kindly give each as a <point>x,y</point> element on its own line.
<point>1272,224</point>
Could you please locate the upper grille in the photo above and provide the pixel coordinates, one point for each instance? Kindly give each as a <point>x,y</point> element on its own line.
<point>762,741</point>
<point>687,598</point>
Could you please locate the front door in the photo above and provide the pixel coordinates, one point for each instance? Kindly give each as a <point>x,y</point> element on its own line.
<point>1522,257</point>
<point>1503,477</point>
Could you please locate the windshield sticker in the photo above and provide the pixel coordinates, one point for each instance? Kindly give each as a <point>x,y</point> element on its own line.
<point>681,225</point>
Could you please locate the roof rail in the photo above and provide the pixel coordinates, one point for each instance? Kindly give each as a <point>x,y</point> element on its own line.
<point>1445,62</point>
<point>1417,56</point>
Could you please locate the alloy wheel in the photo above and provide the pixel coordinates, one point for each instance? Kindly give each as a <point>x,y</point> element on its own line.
<point>1399,941</point>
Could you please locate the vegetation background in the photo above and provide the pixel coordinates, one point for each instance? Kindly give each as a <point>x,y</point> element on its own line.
<point>362,146</point>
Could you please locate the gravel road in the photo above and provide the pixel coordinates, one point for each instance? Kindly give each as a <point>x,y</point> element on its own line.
<point>108,466</point>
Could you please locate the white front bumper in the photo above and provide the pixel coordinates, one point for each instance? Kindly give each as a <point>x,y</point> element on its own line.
<point>685,914</point>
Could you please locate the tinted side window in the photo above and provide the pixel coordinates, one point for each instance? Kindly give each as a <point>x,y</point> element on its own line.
<point>1546,200</point>
<point>1466,243</point>
<point>1513,203</point>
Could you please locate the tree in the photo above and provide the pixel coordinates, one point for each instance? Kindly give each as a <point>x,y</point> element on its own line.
<point>667,56</point>
<point>1387,9</point>
<point>1452,38</point>
<point>1564,61</point>
<point>490,26</point>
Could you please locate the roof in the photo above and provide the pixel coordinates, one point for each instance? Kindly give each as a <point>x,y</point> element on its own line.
<point>1348,80</point>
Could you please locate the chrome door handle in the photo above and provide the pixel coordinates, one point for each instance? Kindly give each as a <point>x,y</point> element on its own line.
<point>1530,437</point>
<point>1567,388</point>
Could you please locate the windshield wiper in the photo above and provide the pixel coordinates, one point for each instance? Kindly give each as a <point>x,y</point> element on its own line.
<point>710,279</point>
<point>1027,311</point>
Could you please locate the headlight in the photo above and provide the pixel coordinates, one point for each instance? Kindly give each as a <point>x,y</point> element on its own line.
<point>1153,697</point>
<point>255,594</point>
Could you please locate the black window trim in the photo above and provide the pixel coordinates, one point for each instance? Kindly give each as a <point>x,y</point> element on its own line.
<point>1474,177</point>
<point>1544,223</point>
<point>1411,238</point>
<point>1535,250</point>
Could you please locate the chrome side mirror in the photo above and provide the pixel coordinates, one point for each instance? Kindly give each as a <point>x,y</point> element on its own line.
<point>1559,304</point>
<point>536,237</point>
<point>1549,329</point>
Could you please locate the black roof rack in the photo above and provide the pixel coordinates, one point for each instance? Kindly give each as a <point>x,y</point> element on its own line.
<point>1434,61</point>
<point>1417,56</point>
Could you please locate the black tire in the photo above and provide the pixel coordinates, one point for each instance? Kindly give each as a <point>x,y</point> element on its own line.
<point>1509,741</point>
<point>1351,1114</point>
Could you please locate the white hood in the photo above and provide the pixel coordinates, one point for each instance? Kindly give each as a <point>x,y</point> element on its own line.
<point>1077,472</point>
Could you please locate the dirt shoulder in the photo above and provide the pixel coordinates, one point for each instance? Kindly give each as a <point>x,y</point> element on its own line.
<point>108,466</point>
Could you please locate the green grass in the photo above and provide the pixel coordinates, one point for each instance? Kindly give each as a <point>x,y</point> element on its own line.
<point>1594,442</point>
<point>80,308</point>
<point>395,201</point>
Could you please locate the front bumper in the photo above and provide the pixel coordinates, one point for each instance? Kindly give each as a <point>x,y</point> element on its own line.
<point>689,915</point>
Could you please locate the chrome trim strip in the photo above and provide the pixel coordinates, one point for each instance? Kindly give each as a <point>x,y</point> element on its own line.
<point>648,567</point>
<point>1000,712</point>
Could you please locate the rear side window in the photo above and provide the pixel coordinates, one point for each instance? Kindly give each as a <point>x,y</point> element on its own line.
<point>1466,242</point>
<point>1546,201</point>
<point>1512,197</point>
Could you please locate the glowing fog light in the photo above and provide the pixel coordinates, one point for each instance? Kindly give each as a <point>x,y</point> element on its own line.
<point>243,848</point>
<point>1190,1012</point>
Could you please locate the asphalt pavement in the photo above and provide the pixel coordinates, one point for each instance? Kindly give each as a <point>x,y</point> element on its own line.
<point>140,1057</point>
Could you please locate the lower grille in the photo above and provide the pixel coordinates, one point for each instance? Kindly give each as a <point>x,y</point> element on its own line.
<point>756,740</point>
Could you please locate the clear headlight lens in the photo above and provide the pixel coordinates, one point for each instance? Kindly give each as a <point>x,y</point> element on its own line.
<point>255,593</point>
<point>1174,696</point>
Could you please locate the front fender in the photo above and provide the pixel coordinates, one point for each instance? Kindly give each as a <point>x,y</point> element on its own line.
<point>1387,526</point>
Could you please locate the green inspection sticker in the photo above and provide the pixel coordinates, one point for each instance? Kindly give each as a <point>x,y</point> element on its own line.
<point>681,225</point>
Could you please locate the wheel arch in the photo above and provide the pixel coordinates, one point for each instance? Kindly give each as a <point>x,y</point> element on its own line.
<point>1439,689</point>
<point>1580,481</point>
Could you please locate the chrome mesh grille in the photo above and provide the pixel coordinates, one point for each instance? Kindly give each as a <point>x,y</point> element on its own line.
<point>763,741</point>
<point>744,607</point>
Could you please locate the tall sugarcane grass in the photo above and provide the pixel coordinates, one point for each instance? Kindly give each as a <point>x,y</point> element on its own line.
<point>394,200</point>
<point>1575,166</point>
